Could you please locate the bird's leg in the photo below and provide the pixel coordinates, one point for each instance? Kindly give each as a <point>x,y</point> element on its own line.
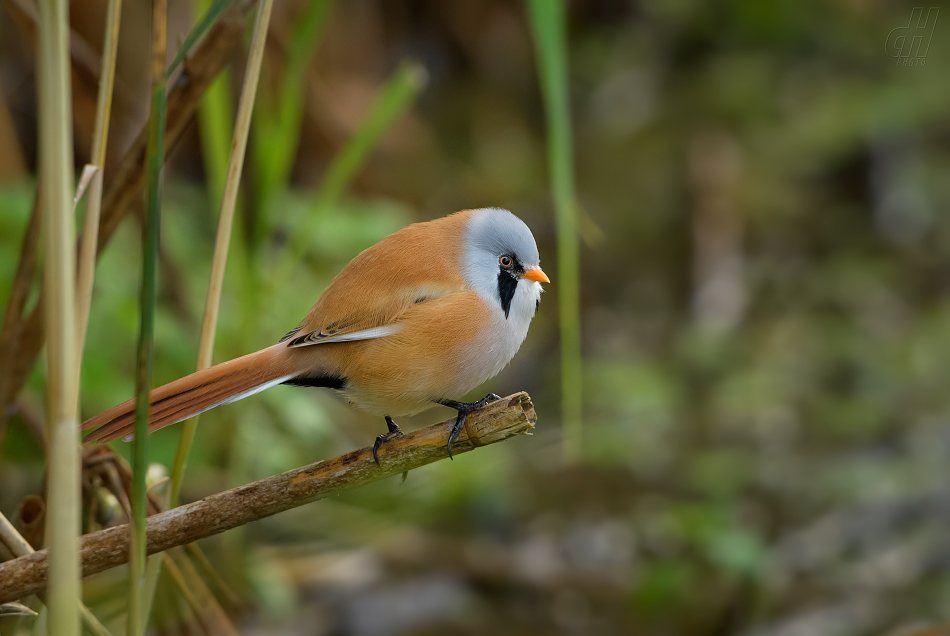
<point>394,431</point>
<point>464,408</point>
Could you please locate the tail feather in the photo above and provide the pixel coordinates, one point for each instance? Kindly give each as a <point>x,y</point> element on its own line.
<point>184,398</point>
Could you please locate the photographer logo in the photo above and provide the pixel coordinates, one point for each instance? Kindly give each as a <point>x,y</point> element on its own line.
<point>909,44</point>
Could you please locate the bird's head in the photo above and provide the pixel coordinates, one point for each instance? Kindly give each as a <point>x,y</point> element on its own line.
<point>501,262</point>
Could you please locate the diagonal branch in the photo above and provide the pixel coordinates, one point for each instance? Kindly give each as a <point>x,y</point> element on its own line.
<point>498,421</point>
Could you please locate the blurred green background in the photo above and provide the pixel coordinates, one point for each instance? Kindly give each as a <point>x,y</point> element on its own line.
<point>765,268</point>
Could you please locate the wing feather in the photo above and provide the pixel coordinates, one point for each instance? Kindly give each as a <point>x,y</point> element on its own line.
<point>368,298</point>
<point>319,337</point>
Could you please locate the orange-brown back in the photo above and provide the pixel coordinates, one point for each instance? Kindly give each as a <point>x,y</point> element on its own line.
<point>384,280</point>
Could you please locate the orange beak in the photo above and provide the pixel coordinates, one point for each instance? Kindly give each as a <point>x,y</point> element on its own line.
<point>535,273</point>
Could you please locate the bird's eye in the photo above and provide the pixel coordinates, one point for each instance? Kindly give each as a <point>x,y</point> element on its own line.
<point>505,261</point>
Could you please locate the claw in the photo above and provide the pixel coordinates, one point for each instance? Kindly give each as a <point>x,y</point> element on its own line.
<point>394,431</point>
<point>464,408</point>
<point>456,429</point>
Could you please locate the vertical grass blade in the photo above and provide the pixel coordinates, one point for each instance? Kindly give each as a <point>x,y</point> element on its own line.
<point>62,384</point>
<point>225,222</point>
<point>277,125</point>
<point>547,18</point>
<point>215,115</point>
<point>394,99</point>
<point>210,17</point>
<point>90,234</point>
<point>155,159</point>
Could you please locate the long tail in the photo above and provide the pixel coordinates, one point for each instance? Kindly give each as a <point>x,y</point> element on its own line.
<point>221,384</point>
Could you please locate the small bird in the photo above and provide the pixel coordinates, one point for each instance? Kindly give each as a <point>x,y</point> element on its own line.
<point>423,316</point>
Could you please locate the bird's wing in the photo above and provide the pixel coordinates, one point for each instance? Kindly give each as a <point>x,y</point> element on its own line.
<point>367,299</point>
<point>331,335</point>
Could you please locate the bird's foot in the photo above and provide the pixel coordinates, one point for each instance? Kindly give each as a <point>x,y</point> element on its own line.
<point>464,408</point>
<point>394,431</point>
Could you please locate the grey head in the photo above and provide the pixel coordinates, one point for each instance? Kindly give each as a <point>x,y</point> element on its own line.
<point>501,262</point>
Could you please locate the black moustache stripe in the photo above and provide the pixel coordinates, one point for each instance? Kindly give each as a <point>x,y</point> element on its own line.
<point>507,284</point>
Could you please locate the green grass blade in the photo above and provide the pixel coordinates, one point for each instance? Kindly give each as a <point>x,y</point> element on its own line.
<point>215,114</point>
<point>392,103</point>
<point>225,220</point>
<point>394,100</point>
<point>155,160</point>
<point>214,117</point>
<point>210,17</point>
<point>277,125</point>
<point>547,18</point>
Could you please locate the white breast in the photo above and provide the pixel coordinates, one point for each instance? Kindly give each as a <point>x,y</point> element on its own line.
<point>501,338</point>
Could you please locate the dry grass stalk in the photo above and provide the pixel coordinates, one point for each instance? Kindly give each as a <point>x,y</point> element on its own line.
<point>90,234</point>
<point>124,188</point>
<point>189,597</point>
<point>62,383</point>
<point>19,546</point>
<point>210,611</point>
<point>195,552</point>
<point>225,222</point>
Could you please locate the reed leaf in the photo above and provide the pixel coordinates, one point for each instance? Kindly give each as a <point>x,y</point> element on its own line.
<point>155,161</point>
<point>547,19</point>
<point>100,139</point>
<point>214,113</point>
<point>225,222</point>
<point>207,21</point>
<point>62,382</point>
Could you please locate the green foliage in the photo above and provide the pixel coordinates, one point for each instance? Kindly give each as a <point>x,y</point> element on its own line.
<point>791,467</point>
<point>215,10</point>
<point>547,18</point>
<point>279,114</point>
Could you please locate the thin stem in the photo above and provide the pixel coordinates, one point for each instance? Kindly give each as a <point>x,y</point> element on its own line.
<point>100,140</point>
<point>62,385</point>
<point>212,118</point>
<point>143,376</point>
<point>21,547</point>
<point>210,18</point>
<point>211,55</point>
<point>225,221</point>
<point>547,19</point>
<point>13,539</point>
